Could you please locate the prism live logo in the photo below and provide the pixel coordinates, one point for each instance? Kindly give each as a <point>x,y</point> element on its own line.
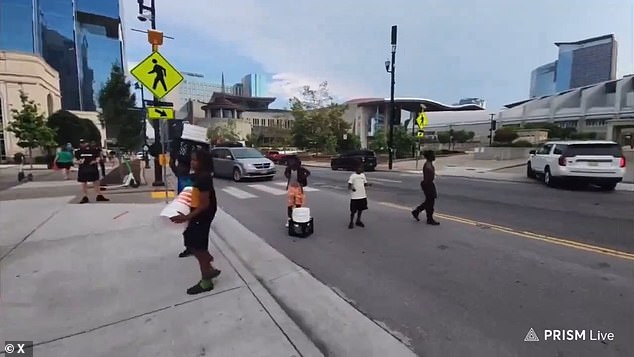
<point>531,336</point>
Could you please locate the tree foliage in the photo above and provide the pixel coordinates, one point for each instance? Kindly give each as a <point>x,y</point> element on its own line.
<point>319,123</point>
<point>402,141</point>
<point>70,128</point>
<point>505,135</point>
<point>223,133</point>
<point>29,126</point>
<point>117,103</point>
<point>459,136</point>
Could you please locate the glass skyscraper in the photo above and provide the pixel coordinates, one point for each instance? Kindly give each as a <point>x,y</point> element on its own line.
<point>579,64</point>
<point>81,39</point>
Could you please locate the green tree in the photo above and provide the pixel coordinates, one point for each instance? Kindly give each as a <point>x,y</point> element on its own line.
<point>378,142</point>
<point>505,135</point>
<point>319,123</point>
<point>444,137</point>
<point>223,133</point>
<point>70,128</point>
<point>403,142</point>
<point>29,127</point>
<point>462,136</point>
<point>117,101</point>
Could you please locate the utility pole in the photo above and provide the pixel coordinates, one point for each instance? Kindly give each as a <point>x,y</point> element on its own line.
<point>492,129</point>
<point>158,172</point>
<point>389,66</point>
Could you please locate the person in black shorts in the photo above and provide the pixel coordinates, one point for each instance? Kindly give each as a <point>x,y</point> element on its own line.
<point>203,211</point>
<point>88,158</point>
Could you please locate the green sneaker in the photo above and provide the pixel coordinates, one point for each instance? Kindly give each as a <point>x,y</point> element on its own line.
<point>202,287</point>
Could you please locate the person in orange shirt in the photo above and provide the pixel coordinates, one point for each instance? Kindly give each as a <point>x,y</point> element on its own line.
<point>297,178</point>
<point>203,211</point>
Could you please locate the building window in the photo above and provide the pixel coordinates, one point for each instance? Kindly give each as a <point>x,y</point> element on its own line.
<point>49,104</point>
<point>596,122</point>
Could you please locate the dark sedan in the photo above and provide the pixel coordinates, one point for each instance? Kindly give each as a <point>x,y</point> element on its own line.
<point>351,160</point>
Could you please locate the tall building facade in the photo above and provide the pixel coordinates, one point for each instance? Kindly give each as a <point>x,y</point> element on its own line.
<point>253,85</point>
<point>195,88</point>
<point>543,80</point>
<point>579,64</point>
<point>80,39</point>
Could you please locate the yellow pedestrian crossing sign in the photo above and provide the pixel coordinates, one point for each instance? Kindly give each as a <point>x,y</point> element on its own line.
<point>157,75</point>
<point>421,122</point>
<point>160,113</point>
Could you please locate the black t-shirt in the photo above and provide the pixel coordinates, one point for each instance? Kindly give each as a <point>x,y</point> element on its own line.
<point>89,155</point>
<point>204,183</point>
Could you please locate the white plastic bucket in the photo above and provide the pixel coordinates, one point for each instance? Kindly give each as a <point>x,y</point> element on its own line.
<point>301,215</point>
<point>180,204</point>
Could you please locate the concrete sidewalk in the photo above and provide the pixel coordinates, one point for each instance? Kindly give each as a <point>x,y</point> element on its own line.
<point>104,280</point>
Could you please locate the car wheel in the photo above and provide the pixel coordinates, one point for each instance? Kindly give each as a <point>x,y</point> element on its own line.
<point>608,186</point>
<point>530,173</point>
<point>548,178</point>
<point>333,167</point>
<point>237,175</point>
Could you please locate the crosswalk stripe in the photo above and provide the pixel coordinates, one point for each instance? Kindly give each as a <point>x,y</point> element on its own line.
<point>383,180</point>
<point>268,189</point>
<point>238,193</point>
<point>307,189</point>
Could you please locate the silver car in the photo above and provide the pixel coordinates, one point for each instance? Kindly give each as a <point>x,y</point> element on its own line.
<point>241,162</point>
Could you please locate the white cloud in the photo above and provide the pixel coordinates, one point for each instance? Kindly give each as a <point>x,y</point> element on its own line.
<point>447,50</point>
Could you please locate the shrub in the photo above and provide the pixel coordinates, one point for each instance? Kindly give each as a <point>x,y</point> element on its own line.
<point>522,144</point>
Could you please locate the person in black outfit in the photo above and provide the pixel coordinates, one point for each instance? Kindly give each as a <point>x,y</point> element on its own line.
<point>203,211</point>
<point>88,158</point>
<point>102,159</point>
<point>429,189</point>
<point>180,163</point>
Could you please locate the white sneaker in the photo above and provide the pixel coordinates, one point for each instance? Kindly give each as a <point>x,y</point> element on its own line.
<point>286,225</point>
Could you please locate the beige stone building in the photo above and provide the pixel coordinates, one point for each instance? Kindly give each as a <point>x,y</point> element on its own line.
<point>30,73</point>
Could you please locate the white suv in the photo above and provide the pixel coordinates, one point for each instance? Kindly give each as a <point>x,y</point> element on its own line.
<point>590,162</point>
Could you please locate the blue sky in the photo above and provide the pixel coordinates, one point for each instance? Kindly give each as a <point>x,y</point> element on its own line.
<point>447,50</point>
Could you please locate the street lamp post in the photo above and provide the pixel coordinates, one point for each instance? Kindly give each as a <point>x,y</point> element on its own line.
<point>158,173</point>
<point>146,159</point>
<point>492,128</point>
<point>389,67</point>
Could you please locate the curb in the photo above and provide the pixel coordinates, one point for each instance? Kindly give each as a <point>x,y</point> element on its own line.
<point>335,326</point>
<point>296,337</point>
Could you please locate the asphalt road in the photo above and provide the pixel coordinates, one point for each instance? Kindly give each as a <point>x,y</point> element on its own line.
<point>463,289</point>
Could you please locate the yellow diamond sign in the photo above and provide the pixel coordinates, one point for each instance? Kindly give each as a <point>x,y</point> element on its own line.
<point>157,75</point>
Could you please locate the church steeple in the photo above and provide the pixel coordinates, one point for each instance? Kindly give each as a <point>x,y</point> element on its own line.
<point>223,82</point>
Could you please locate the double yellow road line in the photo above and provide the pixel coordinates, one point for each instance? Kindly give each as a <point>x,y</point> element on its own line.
<point>525,234</point>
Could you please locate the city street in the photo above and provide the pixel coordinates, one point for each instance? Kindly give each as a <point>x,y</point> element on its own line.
<point>507,257</point>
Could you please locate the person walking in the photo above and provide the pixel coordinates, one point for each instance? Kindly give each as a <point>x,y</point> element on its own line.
<point>88,171</point>
<point>429,189</point>
<point>358,197</point>
<point>203,210</point>
<point>180,164</point>
<point>297,178</point>
<point>64,160</point>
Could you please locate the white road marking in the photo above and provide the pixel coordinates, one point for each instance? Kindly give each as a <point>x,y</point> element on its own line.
<point>307,189</point>
<point>268,189</point>
<point>383,180</point>
<point>238,193</point>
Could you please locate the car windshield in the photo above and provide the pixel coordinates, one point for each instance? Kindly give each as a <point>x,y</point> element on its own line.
<point>247,154</point>
<point>594,149</point>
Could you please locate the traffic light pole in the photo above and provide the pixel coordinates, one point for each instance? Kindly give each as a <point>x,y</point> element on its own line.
<point>492,128</point>
<point>390,140</point>
<point>158,171</point>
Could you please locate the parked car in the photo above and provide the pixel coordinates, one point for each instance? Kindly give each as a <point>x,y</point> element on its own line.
<point>351,160</point>
<point>276,156</point>
<point>241,162</point>
<point>596,162</point>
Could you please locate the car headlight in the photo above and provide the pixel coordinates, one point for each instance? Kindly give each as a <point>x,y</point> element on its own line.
<point>249,166</point>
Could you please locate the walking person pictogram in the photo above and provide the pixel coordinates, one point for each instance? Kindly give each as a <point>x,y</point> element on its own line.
<point>160,73</point>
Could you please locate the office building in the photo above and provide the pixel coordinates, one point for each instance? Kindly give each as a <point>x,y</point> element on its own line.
<point>80,39</point>
<point>195,88</point>
<point>579,64</point>
<point>253,85</point>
